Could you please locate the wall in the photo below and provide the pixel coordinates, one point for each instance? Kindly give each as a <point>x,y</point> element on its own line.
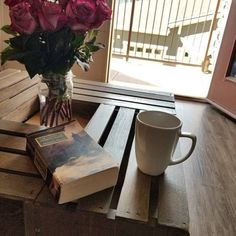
<point>1,24</point>
<point>4,17</point>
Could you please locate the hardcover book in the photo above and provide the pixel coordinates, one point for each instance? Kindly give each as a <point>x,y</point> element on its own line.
<point>71,162</point>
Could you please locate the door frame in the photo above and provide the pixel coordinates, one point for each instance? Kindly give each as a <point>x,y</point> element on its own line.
<point>223,89</point>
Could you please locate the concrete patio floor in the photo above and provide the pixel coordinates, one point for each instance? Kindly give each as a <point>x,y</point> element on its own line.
<point>181,80</point>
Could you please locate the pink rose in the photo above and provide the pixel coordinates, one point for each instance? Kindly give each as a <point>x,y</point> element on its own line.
<point>12,3</point>
<point>80,13</point>
<point>36,4</point>
<point>63,2</point>
<point>103,13</point>
<point>85,15</point>
<point>22,20</point>
<point>51,17</point>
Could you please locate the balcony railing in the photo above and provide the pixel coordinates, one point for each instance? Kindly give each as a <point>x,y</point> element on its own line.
<point>178,31</point>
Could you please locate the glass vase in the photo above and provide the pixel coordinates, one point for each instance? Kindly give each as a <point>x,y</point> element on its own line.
<point>55,97</point>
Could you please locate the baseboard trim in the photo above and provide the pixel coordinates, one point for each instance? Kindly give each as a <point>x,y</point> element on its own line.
<point>222,109</point>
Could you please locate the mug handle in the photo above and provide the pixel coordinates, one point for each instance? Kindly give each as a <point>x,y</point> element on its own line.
<point>194,140</point>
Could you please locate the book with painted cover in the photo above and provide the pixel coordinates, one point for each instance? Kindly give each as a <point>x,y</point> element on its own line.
<point>71,162</point>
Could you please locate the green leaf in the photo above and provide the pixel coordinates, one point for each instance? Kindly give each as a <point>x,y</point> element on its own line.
<point>34,63</point>
<point>92,34</point>
<point>100,45</point>
<point>17,42</point>
<point>93,47</point>
<point>7,54</point>
<point>57,51</point>
<point>32,71</point>
<point>78,41</point>
<point>84,65</point>
<point>7,41</point>
<point>31,42</point>
<point>92,41</point>
<point>7,29</point>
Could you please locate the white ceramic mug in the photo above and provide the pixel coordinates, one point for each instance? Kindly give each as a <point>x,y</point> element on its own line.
<point>156,137</point>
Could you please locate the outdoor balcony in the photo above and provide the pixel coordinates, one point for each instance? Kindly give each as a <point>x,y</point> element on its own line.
<point>168,45</point>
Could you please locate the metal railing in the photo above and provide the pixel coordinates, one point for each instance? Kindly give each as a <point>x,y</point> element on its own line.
<point>177,31</point>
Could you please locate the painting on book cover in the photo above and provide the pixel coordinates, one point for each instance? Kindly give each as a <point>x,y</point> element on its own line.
<point>75,156</point>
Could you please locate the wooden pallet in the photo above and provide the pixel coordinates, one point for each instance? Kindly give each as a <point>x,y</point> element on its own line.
<point>18,95</point>
<point>19,100</point>
<point>137,205</point>
<point>100,93</point>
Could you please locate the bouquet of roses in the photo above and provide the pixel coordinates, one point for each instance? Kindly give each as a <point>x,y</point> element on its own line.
<point>50,36</point>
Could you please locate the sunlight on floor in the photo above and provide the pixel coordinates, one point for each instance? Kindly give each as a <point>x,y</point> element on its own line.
<point>180,80</point>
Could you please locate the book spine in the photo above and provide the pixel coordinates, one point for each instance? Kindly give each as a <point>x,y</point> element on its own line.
<point>29,150</point>
<point>41,166</point>
<point>51,182</point>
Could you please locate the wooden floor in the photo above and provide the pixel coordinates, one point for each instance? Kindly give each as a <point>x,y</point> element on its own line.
<point>211,170</point>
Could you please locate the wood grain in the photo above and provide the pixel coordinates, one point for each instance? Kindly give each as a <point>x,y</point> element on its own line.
<point>64,221</point>
<point>119,133</point>
<point>98,202</point>
<point>118,136</point>
<point>125,98</point>
<point>172,199</point>
<point>17,163</point>
<point>24,111</point>
<point>134,198</point>
<point>8,72</point>
<point>116,89</point>
<point>13,79</point>
<point>13,144</point>
<point>9,105</point>
<point>18,128</point>
<point>95,92</point>
<point>101,117</point>
<point>11,211</point>
<point>20,186</point>
<point>133,105</point>
<point>210,172</point>
<point>17,88</point>
<point>18,99</point>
